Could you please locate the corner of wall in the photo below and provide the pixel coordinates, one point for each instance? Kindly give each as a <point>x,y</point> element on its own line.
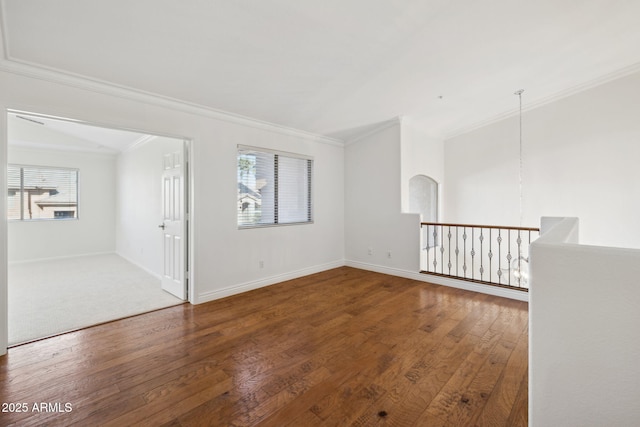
<point>4,312</point>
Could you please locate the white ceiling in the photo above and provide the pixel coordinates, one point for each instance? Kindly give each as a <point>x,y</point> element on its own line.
<point>34,131</point>
<point>334,67</point>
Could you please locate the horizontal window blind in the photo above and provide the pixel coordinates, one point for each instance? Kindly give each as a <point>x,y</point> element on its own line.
<point>37,192</point>
<point>273,188</point>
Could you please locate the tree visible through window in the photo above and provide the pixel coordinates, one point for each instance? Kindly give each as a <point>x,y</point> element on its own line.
<point>36,192</point>
<point>273,188</point>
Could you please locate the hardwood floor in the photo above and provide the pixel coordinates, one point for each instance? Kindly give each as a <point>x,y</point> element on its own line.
<point>338,348</point>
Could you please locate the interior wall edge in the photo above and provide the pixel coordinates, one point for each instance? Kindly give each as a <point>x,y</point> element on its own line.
<point>4,245</point>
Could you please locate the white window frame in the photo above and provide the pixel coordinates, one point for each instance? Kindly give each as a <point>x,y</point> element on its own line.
<point>277,214</point>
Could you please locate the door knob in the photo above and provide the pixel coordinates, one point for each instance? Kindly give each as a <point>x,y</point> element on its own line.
<point>161,226</point>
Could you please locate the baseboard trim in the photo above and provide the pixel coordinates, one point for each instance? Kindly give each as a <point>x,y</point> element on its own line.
<point>141,267</point>
<point>260,283</point>
<point>26,261</point>
<point>444,281</point>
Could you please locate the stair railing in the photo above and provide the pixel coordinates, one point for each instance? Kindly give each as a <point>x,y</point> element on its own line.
<point>495,255</point>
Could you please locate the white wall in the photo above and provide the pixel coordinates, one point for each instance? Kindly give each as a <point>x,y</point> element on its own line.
<point>373,217</point>
<point>225,259</point>
<point>583,330</point>
<point>139,202</point>
<point>580,159</point>
<point>92,232</point>
<point>373,203</point>
<point>421,154</point>
<point>284,249</point>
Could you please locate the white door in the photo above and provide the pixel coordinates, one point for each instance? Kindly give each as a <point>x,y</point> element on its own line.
<point>173,225</point>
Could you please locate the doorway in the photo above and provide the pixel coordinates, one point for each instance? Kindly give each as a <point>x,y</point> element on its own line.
<point>100,240</point>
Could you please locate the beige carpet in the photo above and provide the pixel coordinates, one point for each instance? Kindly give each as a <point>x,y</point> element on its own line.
<point>52,297</point>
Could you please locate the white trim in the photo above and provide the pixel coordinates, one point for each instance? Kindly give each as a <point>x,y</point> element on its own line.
<point>444,281</point>
<point>190,218</point>
<point>4,245</point>
<point>35,71</point>
<point>260,283</point>
<point>57,258</point>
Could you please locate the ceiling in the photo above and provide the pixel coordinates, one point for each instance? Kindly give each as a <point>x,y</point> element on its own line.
<point>334,67</point>
<point>42,132</point>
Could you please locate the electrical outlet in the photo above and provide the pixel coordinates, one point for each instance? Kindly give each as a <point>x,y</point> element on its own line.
<point>388,254</point>
<point>261,264</point>
<point>370,251</point>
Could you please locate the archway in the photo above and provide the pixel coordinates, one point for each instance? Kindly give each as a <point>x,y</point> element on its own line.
<point>423,197</point>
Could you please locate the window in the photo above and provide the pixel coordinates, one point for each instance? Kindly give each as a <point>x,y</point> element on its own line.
<point>273,188</point>
<point>37,192</point>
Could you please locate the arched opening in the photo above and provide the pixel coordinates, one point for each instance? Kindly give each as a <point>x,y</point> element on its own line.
<point>423,197</point>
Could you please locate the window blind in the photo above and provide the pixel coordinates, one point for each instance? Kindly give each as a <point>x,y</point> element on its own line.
<point>37,192</point>
<point>273,188</point>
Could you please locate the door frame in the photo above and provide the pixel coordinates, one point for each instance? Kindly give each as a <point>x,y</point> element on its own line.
<point>4,241</point>
<point>188,144</point>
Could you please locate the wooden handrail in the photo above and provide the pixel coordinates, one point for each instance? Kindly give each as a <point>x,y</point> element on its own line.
<point>445,224</point>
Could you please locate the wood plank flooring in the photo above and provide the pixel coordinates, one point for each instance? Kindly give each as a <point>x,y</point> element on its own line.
<point>344,347</point>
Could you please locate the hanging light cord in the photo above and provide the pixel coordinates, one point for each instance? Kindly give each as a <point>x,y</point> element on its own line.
<point>519,93</point>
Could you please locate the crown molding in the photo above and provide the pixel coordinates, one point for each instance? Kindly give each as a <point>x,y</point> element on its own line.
<point>606,78</point>
<point>51,75</point>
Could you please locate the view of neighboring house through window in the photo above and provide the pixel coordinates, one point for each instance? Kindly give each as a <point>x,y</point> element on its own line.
<point>273,188</point>
<point>37,192</point>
